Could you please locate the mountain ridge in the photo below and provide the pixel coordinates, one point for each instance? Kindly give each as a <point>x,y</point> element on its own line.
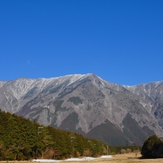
<point>87,104</point>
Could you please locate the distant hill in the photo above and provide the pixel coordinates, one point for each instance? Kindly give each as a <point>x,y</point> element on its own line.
<point>88,105</point>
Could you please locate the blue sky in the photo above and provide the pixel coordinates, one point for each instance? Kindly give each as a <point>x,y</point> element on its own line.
<point>119,40</point>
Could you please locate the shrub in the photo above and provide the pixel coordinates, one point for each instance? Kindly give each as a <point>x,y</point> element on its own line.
<point>128,150</point>
<point>123,151</point>
<point>152,148</point>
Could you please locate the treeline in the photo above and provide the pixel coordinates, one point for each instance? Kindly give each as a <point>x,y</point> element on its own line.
<point>21,139</point>
<point>152,148</point>
<point>124,149</point>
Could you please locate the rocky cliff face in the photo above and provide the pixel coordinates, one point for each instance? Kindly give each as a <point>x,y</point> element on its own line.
<point>87,104</point>
<point>153,94</point>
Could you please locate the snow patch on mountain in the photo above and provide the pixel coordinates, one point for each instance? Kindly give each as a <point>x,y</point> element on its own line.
<point>2,83</point>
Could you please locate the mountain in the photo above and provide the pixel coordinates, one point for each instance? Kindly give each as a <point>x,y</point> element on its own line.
<point>88,105</point>
<point>153,93</point>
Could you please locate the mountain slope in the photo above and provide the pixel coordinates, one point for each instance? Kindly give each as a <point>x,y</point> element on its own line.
<point>153,94</point>
<point>88,105</point>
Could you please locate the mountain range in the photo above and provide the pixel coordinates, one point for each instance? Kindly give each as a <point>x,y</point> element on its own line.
<point>87,104</point>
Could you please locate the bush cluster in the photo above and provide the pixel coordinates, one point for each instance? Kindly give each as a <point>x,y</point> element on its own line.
<point>152,148</point>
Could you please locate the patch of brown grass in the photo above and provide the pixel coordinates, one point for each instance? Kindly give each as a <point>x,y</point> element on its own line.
<point>119,158</point>
<point>123,158</point>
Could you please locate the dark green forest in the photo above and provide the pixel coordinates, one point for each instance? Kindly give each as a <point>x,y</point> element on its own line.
<point>22,139</point>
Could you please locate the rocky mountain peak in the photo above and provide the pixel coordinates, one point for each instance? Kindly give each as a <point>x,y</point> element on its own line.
<point>89,105</point>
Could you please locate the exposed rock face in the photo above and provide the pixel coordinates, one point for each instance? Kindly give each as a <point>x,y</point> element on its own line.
<point>118,115</point>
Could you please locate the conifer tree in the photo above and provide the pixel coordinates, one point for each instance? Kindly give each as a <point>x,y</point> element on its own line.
<point>152,147</point>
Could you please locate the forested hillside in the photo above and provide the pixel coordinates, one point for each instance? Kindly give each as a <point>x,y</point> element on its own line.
<point>21,139</point>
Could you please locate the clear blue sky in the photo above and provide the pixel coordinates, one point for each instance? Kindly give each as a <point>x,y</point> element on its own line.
<point>119,40</point>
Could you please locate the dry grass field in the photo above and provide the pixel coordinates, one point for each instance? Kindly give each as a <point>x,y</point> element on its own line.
<point>128,158</point>
<point>120,158</point>
<point>123,158</point>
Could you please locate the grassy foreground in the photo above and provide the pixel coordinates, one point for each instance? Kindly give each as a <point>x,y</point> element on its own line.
<point>129,158</point>
<point>119,158</point>
<point>124,158</point>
